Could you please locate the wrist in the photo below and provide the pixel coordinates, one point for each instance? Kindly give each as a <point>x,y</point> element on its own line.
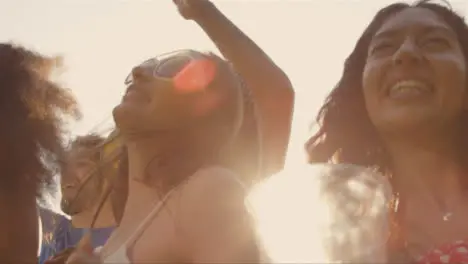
<point>203,11</point>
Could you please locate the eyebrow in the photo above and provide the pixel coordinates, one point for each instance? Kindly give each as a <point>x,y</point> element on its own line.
<point>424,31</point>
<point>385,34</point>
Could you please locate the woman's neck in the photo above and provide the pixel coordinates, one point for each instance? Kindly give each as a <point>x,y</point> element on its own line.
<point>150,157</point>
<point>431,167</point>
<point>155,165</point>
<point>168,153</point>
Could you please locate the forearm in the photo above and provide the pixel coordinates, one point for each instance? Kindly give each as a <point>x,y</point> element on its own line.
<point>251,62</point>
<point>271,89</point>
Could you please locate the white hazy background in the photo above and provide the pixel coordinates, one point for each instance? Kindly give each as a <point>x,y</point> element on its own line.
<point>101,41</point>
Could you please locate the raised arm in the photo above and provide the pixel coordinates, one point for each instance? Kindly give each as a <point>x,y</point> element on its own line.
<point>270,87</point>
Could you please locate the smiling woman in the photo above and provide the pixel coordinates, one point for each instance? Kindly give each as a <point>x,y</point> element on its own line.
<point>415,73</point>
<point>401,107</point>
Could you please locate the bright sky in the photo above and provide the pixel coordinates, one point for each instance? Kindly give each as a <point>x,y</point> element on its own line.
<point>102,40</point>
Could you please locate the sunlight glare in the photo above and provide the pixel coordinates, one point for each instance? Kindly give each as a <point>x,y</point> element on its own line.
<point>322,214</point>
<point>275,205</point>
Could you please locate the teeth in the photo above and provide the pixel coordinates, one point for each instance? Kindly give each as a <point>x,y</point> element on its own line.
<point>406,85</point>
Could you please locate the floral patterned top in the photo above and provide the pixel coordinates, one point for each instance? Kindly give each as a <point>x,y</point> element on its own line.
<point>456,252</point>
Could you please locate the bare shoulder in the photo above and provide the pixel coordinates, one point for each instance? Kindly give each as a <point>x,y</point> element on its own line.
<point>213,181</point>
<point>213,223</point>
<point>212,187</point>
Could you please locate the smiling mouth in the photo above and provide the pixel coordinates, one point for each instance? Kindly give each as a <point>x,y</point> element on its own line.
<point>407,89</point>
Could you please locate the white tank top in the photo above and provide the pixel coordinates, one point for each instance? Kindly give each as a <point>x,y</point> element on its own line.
<point>120,255</point>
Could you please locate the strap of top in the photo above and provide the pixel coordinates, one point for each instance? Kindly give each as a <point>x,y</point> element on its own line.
<point>147,220</point>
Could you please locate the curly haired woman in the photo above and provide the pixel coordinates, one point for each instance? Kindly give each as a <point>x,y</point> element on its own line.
<point>32,112</point>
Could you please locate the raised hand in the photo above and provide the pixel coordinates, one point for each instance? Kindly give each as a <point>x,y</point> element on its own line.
<point>190,9</point>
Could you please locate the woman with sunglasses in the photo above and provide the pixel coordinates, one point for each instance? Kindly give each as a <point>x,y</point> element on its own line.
<point>181,119</point>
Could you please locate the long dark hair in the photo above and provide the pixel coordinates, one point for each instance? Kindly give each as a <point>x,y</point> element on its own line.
<point>346,134</point>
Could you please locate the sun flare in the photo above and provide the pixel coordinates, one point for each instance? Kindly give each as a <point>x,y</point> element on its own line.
<point>321,214</point>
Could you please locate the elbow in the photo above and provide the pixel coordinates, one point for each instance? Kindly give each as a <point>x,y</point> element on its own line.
<point>284,87</point>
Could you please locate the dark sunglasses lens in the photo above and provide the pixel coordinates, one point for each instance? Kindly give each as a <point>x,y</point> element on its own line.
<point>166,68</point>
<point>170,67</point>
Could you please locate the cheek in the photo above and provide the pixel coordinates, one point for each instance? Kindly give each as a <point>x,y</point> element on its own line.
<point>450,74</point>
<point>69,177</point>
<point>372,79</point>
<point>161,101</point>
<point>450,69</point>
<point>170,109</point>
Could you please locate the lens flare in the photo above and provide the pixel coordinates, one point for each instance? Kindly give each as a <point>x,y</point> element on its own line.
<point>322,214</point>
<point>195,76</point>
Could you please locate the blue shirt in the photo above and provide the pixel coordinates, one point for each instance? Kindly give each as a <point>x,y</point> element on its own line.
<point>59,234</point>
<point>68,236</point>
<point>50,221</point>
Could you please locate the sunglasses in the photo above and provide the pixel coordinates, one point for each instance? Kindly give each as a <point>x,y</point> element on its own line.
<point>189,71</point>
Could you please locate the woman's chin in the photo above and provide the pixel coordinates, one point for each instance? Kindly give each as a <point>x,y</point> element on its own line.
<point>407,121</point>
<point>126,116</point>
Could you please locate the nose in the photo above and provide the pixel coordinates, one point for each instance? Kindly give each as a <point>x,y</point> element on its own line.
<point>408,53</point>
<point>140,73</point>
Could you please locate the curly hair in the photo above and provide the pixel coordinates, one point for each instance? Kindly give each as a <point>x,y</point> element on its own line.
<point>33,110</point>
<point>346,134</point>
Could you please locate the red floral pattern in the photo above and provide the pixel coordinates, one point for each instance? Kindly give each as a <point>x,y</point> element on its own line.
<point>449,253</point>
